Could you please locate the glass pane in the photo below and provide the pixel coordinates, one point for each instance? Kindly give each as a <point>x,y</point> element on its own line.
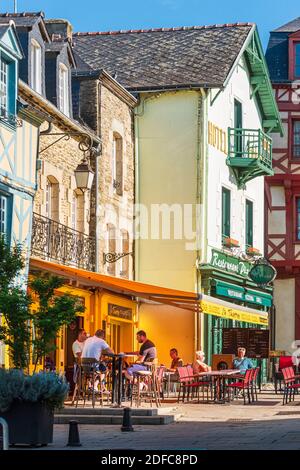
<point>296,139</point>
<point>298,218</point>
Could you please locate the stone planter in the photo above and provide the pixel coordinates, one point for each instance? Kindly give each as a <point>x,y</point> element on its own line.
<point>29,424</point>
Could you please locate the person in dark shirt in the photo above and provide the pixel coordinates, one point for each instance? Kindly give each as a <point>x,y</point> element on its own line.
<point>147,353</point>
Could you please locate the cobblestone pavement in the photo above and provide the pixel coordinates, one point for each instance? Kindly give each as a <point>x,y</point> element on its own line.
<point>265,425</point>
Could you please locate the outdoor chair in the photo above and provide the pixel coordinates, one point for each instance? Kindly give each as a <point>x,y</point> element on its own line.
<point>90,375</point>
<point>244,385</point>
<point>254,386</point>
<point>290,384</point>
<point>189,382</point>
<point>284,362</point>
<point>147,385</point>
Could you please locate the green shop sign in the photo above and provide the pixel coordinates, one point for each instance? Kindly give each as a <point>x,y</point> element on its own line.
<point>232,291</point>
<point>230,264</point>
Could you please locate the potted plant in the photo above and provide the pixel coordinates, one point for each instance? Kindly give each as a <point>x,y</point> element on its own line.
<point>230,242</point>
<point>28,401</point>
<point>251,251</point>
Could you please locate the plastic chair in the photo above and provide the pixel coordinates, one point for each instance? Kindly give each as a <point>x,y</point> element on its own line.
<point>290,385</point>
<point>244,385</point>
<point>284,362</point>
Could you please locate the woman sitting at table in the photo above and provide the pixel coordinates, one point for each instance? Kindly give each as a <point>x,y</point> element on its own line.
<point>199,364</point>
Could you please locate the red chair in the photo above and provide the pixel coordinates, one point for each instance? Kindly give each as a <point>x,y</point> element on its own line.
<point>254,383</point>
<point>244,384</point>
<point>188,382</point>
<point>284,362</point>
<point>290,385</point>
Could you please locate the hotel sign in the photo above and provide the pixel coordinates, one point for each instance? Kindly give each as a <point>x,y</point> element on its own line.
<point>229,263</point>
<point>217,137</point>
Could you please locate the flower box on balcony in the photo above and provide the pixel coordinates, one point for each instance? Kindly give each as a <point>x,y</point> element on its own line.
<point>251,251</point>
<point>230,242</point>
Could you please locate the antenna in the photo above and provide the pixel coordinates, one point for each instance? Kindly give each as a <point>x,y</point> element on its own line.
<point>15,6</point>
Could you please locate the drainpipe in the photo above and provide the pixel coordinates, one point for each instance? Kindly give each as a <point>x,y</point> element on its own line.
<point>97,244</point>
<point>202,173</point>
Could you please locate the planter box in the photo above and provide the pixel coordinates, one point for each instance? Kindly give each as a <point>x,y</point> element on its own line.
<point>251,251</point>
<point>230,242</point>
<point>29,423</point>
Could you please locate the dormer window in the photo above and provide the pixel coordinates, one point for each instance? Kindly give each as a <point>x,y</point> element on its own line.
<point>64,105</point>
<point>297,60</point>
<point>36,66</point>
<point>3,87</point>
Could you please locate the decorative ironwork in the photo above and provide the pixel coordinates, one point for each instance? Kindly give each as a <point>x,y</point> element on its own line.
<point>85,143</point>
<point>114,257</point>
<point>56,242</point>
<point>117,184</point>
<point>10,119</point>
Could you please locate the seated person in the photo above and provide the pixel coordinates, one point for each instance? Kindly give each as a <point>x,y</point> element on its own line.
<point>77,348</point>
<point>199,364</point>
<point>176,362</point>
<point>147,353</point>
<point>241,362</point>
<point>93,348</point>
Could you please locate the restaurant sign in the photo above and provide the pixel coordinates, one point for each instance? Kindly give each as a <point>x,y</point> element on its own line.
<point>120,312</point>
<point>233,313</point>
<point>231,264</point>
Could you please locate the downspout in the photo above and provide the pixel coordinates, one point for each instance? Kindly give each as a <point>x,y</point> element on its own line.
<point>97,244</point>
<point>202,174</point>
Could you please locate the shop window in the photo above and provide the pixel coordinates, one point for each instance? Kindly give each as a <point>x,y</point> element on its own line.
<point>249,223</point>
<point>117,164</point>
<point>36,66</point>
<point>52,199</point>
<point>295,139</point>
<point>226,197</point>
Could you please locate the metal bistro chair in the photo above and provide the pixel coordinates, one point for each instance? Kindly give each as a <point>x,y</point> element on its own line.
<point>243,384</point>
<point>147,385</point>
<point>254,386</point>
<point>90,374</point>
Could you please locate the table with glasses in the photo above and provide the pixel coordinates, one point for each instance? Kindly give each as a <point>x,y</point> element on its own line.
<point>218,381</point>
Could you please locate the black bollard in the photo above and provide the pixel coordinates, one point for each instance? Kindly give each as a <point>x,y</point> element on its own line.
<point>127,426</point>
<point>74,440</point>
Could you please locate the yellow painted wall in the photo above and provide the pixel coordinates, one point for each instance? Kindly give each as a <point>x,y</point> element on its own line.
<point>166,152</point>
<point>168,327</point>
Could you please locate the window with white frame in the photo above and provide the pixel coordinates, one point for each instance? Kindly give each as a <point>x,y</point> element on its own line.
<point>3,214</point>
<point>36,66</point>
<point>52,199</point>
<point>64,104</point>
<point>3,87</point>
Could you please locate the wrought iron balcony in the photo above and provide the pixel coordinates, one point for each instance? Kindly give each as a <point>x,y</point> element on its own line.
<point>249,154</point>
<point>56,242</point>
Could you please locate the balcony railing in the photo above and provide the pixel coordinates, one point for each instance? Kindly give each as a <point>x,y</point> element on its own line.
<point>56,242</point>
<point>249,154</point>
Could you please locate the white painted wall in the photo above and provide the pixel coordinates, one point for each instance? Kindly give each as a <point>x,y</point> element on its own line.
<point>221,114</point>
<point>284,300</point>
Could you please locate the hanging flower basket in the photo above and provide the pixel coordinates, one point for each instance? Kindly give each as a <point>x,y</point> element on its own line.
<point>230,242</point>
<point>251,251</point>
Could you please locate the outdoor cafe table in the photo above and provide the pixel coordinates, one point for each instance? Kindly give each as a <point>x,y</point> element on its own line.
<point>219,377</point>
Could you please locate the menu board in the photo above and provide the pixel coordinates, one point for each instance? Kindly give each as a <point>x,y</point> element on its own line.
<point>255,341</point>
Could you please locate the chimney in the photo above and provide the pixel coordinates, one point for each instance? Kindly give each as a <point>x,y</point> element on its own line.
<point>60,28</point>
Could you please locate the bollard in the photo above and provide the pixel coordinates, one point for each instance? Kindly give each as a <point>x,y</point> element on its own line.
<point>5,433</point>
<point>127,426</point>
<point>74,440</point>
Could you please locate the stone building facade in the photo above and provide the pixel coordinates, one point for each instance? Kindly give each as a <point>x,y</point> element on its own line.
<point>107,108</point>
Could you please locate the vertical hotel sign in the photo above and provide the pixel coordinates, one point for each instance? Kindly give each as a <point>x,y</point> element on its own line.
<point>217,137</point>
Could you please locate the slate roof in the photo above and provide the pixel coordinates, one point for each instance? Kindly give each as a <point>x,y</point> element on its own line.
<point>162,58</point>
<point>290,27</point>
<point>21,19</point>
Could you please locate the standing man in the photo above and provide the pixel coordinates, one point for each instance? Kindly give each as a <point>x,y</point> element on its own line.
<point>242,363</point>
<point>147,353</point>
<point>77,346</point>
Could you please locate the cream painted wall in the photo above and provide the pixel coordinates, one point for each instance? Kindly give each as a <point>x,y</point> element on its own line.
<point>284,300</point>
<point>221,114</point>
<point>168,327</point>
<point>166,133</point>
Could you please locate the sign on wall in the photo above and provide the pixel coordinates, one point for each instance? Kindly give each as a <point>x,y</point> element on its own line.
<point>217,137</point>
<point>120,312</point>
<point>229,263</point>
<point>255,341</point>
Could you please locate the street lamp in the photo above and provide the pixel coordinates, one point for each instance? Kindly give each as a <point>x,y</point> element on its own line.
<point>84,175</point>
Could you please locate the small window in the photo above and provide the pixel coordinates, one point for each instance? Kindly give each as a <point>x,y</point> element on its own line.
<point>298,218</point>
<point>3,214</point>
<point>117,169</point>
<point>36,66</point>
<point>52,199</point>
<point>297,61</point>
<point>125,259</point>
<point>225,213</point>
<point>249,223</point>
<point>4,87</point>
<point>296,139</point>
<point>64,105</point>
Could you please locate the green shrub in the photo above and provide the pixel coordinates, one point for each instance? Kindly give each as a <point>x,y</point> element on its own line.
<point>44,387</point>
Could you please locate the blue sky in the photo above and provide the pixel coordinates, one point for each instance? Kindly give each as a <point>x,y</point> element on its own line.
<point>103,15</point>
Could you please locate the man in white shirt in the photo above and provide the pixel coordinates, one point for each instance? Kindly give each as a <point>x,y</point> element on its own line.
<point>95,346</point>
<point>77,346</point>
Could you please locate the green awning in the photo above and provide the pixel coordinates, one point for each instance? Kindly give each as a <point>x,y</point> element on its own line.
<point>258,298</point>
<point>233,291</point>
<point>226,289</point>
